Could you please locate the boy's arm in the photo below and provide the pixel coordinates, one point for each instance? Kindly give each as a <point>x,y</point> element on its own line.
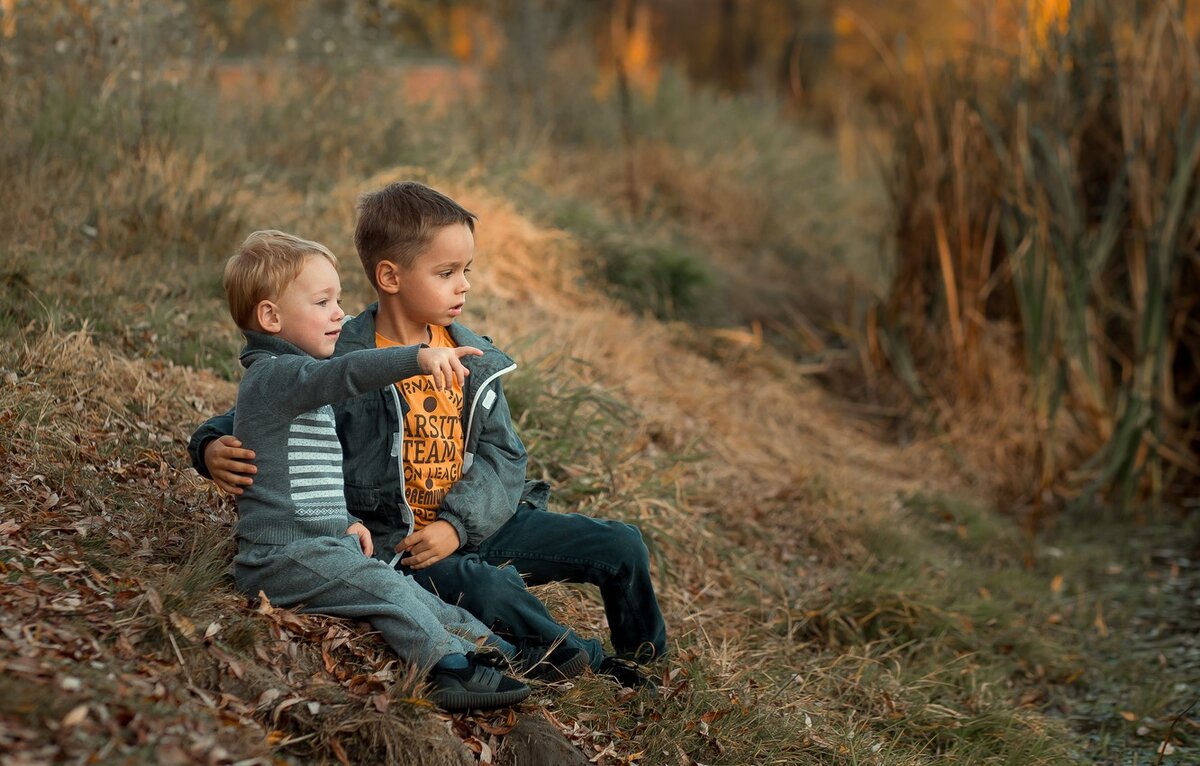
<point>485,497</point>
<point>298,384</point>
<point>213,428</point>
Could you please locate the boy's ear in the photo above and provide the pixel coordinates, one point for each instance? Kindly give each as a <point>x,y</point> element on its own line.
<point>388,276</point>
<point>266,314</point>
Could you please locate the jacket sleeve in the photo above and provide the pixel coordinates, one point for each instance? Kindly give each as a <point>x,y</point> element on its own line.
<point>487,494</point>
<point>213,428</point>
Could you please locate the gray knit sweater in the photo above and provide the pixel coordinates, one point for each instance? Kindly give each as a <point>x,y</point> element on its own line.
<point>283,414</point>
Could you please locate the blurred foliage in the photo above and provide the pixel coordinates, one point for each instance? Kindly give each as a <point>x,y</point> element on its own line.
<point>1054,190</point>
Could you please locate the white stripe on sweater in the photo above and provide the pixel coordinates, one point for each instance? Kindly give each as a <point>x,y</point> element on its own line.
<point>329,458</point>
<point>330,443</point>
<point>320,481</point>
<point>318,494</point>
<point>333,469</point>
<point>322,430</point>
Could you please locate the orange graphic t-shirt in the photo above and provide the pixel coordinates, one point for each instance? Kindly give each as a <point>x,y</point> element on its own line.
<point>433,437</point>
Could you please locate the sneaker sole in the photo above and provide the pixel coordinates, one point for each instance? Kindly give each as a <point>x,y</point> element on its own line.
<point>569,669</point>
<point>468,700</point>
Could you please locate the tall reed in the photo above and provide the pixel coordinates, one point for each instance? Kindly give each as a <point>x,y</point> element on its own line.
<point>1049,194</point>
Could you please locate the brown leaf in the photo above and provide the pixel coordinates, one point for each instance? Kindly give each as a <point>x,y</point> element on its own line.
<point>501,728</point>
<point>282,706</point>
<point>267,697</point>
<point>338,751</point>
<point>715,715</point>
<point>75,717</point>
<point>184,625</point>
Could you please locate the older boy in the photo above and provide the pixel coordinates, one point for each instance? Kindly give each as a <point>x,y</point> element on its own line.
<point>296,541</point>
<point>440,479</point>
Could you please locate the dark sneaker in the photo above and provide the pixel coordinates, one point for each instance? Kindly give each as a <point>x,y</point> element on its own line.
<point>627,673</point>
<point>538,662</point>
<point>477,686</point>
<point>542,663</point>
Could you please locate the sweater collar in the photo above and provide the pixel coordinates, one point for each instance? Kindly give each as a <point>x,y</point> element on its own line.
<point>260,345</point>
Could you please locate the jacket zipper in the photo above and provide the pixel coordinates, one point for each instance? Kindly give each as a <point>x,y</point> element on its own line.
<point>399,442</point>
<point>469,457</point>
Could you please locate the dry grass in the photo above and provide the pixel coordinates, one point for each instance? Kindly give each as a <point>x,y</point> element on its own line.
<point>1046,219</point>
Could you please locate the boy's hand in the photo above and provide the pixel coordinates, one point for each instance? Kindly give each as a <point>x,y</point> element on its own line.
<point>429,545</point>
<point>444,365</point>
<point>364,537</point>
<point>229,465</point>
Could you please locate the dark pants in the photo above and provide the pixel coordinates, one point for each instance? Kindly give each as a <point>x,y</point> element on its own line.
<point>544,547</point>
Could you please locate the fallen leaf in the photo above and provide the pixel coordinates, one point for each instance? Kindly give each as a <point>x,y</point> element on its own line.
<point>267,697</point>
<point>75,717</point>
<point>1128,715</point>
<point>154,600</point>
<point>339,752</point>
<point>184,625</point>
<point>282,706</point>
<point>1056,585</point>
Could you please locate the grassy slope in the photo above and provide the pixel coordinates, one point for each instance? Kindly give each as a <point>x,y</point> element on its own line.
<point>821,612</point>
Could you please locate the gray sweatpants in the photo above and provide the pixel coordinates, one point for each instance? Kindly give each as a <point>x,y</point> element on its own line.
<point>329,575</point>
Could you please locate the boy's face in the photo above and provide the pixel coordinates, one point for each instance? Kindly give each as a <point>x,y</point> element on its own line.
<point>434,289</point>
<point>309,311</point>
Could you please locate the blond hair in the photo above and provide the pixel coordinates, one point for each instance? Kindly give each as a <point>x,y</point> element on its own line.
<point>263,267</point>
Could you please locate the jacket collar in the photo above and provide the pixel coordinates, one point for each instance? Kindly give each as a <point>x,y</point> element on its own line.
<point>261,345</point>
<point>358,332</point>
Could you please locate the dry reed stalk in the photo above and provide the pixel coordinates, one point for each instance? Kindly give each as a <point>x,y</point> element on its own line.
<point>1035,230</point>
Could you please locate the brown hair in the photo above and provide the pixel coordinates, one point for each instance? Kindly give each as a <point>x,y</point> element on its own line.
<point>263,267</point>
<point>398,222</point>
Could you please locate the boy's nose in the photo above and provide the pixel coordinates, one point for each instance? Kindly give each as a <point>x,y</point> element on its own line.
<point>464,286</point>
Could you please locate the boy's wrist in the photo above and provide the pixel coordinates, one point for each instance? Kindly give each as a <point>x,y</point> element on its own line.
<point>456,524</point>
<point>200,463</point>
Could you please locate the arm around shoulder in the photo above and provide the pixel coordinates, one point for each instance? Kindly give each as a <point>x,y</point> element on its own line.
<point>213,428</point>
